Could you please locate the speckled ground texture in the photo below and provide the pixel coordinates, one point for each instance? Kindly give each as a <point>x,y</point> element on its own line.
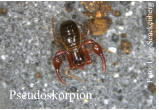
<point>26,48</point>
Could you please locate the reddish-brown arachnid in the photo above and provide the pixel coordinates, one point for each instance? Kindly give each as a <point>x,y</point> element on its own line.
<point>75,50</point>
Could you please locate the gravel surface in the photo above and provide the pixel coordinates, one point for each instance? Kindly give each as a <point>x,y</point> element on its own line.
<point>26,48</point>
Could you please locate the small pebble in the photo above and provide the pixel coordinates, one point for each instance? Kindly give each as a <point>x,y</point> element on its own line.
<point>36,64</point>
<point>74,89</point>
<point>38,75</point>
<point>119,91</point>
<point>129,13</point>
<point>73,16</point>
<point>117,13</point>
<point>3,11</point>
<point>31,85</point>
<point>116,75</point>
<point>106,101</point>
<point>116,63</point>
<point>120,97</point>
<point>121,28</point>
<point>112,49</point>
<point>123,35</point>
<point>152,88</point>
<point>86,100</point>
<point>69,9</point>
<point>115,38</point>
